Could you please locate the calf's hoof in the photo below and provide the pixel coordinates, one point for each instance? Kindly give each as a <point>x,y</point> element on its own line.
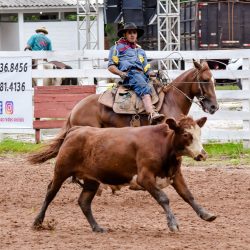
<point>99,192</point>
<point>136,187</point>
<point>208,217</point>
<point>173,227</point>
<point>99,229</point>
<point>37,224</point>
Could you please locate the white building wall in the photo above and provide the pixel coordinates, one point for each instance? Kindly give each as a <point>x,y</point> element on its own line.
<point>63,34</point>
<point>9,36</point>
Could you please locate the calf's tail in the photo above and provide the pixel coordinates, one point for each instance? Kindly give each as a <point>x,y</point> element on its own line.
<point>51,149</point>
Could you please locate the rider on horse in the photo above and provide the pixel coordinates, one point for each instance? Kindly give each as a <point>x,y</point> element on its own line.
<point>128,60</point>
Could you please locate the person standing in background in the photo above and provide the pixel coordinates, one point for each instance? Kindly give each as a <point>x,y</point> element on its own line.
<point>39,41</point>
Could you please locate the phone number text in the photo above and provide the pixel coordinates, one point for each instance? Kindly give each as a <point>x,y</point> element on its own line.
<point>13,86</point>
<point>13,67</point>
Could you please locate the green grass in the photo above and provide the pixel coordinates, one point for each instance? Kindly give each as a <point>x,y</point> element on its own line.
<point>223,154</point>
<point>13,146</point>
<point>231,150</point>
<point>229,153</point>
<point>219,153</point>
<point>227,87</point>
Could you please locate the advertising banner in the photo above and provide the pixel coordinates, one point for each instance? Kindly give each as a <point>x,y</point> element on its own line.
<point>15,93</point>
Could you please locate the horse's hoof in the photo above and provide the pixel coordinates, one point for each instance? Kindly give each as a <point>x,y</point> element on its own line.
<point>98,229</point>
<point>208,217</point>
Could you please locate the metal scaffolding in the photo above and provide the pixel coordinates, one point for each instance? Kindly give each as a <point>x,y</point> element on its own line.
<point>168,24</point>
<point>88,24</point>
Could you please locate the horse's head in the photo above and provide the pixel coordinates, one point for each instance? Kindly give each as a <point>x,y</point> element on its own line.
<point>205,87</point>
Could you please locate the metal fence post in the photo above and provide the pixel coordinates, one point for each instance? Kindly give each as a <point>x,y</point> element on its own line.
<point>246,103</point>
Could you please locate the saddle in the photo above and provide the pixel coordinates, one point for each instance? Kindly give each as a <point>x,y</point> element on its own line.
<point>125,101</point>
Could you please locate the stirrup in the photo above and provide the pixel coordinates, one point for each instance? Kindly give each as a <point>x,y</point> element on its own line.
<point>155,118</point>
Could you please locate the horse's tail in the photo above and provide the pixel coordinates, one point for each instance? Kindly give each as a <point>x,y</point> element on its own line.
<point>51,149</point>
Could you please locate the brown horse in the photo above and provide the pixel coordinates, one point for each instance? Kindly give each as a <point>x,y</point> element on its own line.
<point>196,82</point>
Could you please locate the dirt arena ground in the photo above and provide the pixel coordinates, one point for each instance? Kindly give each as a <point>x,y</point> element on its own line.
<point>133,218</point>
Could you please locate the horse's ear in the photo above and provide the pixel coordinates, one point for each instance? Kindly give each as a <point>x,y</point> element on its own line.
<point>172,124</point>
<point>204,63</point>
<point>201,121</point>
<point>197,65</point>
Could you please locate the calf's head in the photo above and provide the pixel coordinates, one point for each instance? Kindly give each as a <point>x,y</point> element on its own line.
<point>187,139</point>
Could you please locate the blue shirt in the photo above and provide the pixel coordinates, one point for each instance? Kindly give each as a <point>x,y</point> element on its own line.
<point>39,42</point>
<point>125,57</point>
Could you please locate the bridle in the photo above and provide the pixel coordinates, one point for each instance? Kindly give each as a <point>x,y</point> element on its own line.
<point>200,98</point>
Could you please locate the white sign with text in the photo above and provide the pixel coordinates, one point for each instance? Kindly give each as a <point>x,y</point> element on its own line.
<point>15,92</point>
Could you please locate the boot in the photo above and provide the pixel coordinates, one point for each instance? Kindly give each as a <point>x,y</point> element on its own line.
<point>154,117</point>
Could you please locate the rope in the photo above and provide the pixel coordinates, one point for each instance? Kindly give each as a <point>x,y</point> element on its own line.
<point>198,103</point>
<point>190,99</point>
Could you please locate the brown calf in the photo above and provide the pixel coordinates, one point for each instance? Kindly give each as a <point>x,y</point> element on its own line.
<point>147,156</point>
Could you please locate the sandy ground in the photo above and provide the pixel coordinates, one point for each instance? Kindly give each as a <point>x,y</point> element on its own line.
<point>134,219</point>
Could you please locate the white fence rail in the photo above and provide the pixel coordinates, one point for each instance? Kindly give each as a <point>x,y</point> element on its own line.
<point>229,123</point>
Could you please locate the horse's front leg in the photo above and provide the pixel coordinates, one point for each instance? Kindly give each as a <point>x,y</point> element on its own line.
<point>146,179</point>
<point>182,189</point>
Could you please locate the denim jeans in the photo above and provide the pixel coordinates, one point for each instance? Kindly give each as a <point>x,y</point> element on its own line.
<point>137,81</point>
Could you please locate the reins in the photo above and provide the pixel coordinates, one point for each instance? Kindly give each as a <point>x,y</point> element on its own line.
<point>165,88</point>
<point>200,98</point>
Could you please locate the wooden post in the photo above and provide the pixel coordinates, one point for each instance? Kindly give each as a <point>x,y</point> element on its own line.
<point>40,63</point>
<point>1,137</point>
<point>37,133</point>
<point>37,136</point>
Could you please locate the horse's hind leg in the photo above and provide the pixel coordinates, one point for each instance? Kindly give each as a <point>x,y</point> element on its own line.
<point>90,188</point>
<point>52,190</point>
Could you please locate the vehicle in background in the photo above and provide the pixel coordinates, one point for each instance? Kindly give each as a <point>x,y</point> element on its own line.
<point>212,25</point>
<point>235,64</point>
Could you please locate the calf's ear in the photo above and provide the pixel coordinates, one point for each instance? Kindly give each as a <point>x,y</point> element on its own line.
<point>201,121</point>
<point>172,124</point>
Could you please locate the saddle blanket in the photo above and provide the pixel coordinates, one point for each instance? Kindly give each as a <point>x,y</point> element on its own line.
<point>125,101</point>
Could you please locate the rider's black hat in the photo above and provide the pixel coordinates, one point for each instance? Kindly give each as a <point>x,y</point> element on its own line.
<point>130,26</point>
